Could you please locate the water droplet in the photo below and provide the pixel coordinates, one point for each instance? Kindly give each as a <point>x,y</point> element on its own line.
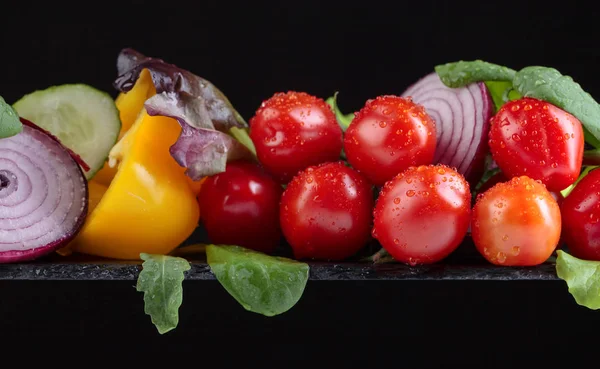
<point>309,180</point>
<point>408,180</point>
<point>397,200</point>
<point>413,262</point>
<point>515,108</point>
<point>505,237</point>
<point>527,107</point>
<point>425,193</point>
<point>410,193</point>
<point>396,241</point>
<point>516,137</point>
<point>528,187</point>
<point>502,144</point>
<point>516,250</point>
<point>272,150</point>
<point>554,165</point>
<point>441,171</point>
<point>567,136</point>
<point>542,162</point>
<point>316,198</point>
<point>501,257</point>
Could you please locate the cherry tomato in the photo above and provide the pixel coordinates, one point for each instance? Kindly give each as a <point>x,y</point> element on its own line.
<point>241,207</point>
<point>516,223</point>
<point>422,215</point>
<point>388,135</point>
<point>581,218</point>
<point>500,177</point>
<point>326,212</point>
<point>530,137</point>
<point>292,131</point>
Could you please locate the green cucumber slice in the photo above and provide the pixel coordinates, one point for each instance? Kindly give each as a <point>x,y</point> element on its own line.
<point>85,119</point>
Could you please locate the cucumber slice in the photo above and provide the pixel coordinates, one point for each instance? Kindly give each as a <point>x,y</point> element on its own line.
<point>85,119</point>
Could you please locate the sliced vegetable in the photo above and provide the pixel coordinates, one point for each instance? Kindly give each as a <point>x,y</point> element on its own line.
<point>161,281</point>
<point>550,85</point>
<point>85,119</point>
<point>582,277</point>
<point>464,73</point>
<point>461,118</point>
<point>343,120</point>
<point>262,284</point>
<point>205,114</point>
<point>43,194</point>
<point>10,124</point>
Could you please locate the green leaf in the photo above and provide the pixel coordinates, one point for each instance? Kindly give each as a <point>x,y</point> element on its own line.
<point>161,281</point>
<point>582,277</point>
<point>463,73</point>
<point>241,134</point>
<point>586,170</point>
<point>549,85</point>
<point>263,284</point>
<point>501,92</point>
<point>343,120</point>
<point>10,124</point>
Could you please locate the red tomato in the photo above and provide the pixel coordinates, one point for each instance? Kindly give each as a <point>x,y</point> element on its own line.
<point>388,135</point>
<point>530,137</point>
<point>500,177</point>
<point>422,215</point>
<point>326,212</point>
<point>241,207</point>
<point>581,215</point>
<point>516,223</point>
<point>292,131</point>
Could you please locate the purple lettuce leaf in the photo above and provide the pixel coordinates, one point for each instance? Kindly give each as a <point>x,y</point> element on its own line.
<point>202,150</point>
<point>205,114</point>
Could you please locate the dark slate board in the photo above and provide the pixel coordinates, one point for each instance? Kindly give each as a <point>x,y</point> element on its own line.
<point>463,264</point>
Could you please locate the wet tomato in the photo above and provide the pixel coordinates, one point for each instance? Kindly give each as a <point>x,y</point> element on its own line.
<point>422,215</point>
<point>388,135</point>
<point>326,212</point>
<point>500,177</point>
<point>581,218</point>
<point>516,223</point>
<point>292,131</point>
<point>241,207</point>
<point>530,137</point>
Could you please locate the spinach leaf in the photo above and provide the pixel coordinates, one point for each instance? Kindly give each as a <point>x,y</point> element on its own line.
<point>161,281</point>
<point>263,284</point>
<point>463,73</point>
<point>10,124</point>
<point>582,277</point>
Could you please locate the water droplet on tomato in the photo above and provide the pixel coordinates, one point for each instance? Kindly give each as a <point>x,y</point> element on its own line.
<point>505,237</point>
<point>516,137</point>
<point>527,107</point>
<point>309,180</point>
<point>542,162</point>
<point>396,241</point>
<point>383,124</point>
<point>567,136</point>
<point>412,261</point>
<point>397,200</point>
<point>515,108</point>
<point>516,250</point>
<point>554,165</point>
<point>501,257</point>
<point>410,193</point>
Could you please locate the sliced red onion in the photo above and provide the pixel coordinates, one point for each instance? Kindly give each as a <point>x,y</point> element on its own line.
<point>462,117</point>
<point>43,195</point>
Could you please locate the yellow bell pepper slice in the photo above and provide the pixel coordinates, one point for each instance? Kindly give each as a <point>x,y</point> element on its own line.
<point>149,206</point>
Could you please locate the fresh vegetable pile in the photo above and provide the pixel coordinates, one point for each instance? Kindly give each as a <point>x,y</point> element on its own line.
<point>472,150</point>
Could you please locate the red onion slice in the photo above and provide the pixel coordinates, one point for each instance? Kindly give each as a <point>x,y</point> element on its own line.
<point>43,195</point>
<point>462,117</point>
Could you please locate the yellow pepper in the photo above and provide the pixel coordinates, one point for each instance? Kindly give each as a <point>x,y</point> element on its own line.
<point>146,203</point>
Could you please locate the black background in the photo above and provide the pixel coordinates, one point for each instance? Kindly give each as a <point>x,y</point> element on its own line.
<point>251,50</point>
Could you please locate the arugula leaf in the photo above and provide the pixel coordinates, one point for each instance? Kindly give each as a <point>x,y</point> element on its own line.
<point>161,281</point>
<point>343,120</point>
<point>463,73</point>
<point>582,277</point>
<point>263,284</point>
<point>550,85</point>
<point>10,124</point>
